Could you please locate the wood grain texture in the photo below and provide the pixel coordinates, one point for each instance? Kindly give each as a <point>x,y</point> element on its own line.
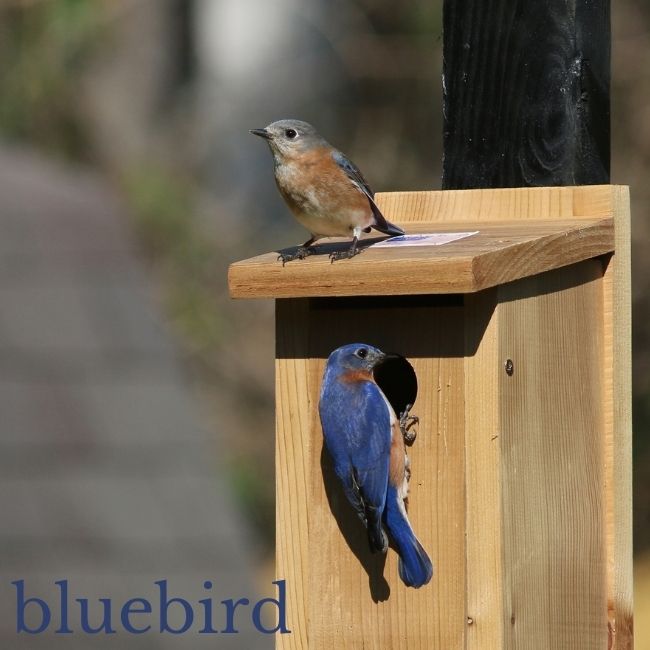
<point>526,93</point>
<point>500,252</point>
<point>511,204</point>
<point>355,599</point>
<point>484,510</point>
<point>552,461</point>
<point>617,391</point>
<point>292,449</point>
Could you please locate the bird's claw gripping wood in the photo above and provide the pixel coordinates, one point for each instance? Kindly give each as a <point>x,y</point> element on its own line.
<point>343,255</point>
<point>406,422</point>
<point>299,254</point>
<point>346,254</point>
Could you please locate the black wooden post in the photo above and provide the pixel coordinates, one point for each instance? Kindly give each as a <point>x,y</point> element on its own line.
<point>526,93</point>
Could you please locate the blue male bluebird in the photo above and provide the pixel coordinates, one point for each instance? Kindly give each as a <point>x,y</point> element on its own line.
<point>363,437</point>
<point>325,190</point>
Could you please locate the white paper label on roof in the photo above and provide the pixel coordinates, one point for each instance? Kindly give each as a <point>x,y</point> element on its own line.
<point>424,239</point>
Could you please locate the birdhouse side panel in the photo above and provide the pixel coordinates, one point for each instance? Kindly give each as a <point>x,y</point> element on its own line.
<point>552,459</point>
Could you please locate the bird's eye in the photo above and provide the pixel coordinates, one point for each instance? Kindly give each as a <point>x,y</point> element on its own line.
<point>291,133</point>
<point>362,353</point>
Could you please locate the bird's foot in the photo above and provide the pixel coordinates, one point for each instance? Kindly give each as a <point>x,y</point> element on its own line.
<point>406,424</point>
<point>344,255</point>
<point>299,254</point>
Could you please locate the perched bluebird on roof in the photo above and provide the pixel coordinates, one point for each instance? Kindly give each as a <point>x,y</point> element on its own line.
<point>325,190</point>
<point>363,437</point>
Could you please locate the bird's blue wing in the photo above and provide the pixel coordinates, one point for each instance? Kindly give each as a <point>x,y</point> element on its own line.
<point>357,429</point>
<point>372,457</point>
<point>355,175</point>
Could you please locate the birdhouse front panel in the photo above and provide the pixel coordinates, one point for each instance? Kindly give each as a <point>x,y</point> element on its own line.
<point>352,584</point>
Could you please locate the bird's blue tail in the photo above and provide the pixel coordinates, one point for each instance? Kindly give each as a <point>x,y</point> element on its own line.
<point>415,568</point>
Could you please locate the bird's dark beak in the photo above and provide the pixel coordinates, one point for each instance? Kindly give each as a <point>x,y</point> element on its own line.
<point>263,133</point>
<point>378,359</point>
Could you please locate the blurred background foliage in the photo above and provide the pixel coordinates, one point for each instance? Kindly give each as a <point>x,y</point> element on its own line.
<point>158,96</point>
<point>43,50</point>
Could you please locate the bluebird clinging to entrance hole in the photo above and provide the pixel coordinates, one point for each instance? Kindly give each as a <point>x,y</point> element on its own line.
<point>363,437</point>
<point>325,191</point>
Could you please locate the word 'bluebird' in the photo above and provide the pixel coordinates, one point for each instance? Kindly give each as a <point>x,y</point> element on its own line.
<point>363,437</point>
<point>325,191</point>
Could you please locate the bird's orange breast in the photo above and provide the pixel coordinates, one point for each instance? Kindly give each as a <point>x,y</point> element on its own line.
<point>313,181</point>
<point>354,376</point>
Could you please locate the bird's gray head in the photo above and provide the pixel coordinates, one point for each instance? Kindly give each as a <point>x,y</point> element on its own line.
<point>289,137</point>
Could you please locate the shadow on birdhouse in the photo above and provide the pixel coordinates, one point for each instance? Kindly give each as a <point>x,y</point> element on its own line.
<point>326,247</point>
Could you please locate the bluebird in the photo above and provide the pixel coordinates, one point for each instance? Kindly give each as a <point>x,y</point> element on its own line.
<point>322,187</point>
<point>363,437</point>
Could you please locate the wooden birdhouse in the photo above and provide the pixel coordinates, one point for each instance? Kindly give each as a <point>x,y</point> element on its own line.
<point>518,329</point>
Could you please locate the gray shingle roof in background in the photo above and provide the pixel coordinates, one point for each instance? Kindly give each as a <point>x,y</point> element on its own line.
<point>107,477</point>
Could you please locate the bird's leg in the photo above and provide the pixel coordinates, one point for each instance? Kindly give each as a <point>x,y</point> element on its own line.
<point>406,422</point>
<point>300,253</point>
<point>351,252</point>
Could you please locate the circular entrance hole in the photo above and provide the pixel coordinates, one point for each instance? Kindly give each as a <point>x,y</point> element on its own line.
<point>397,380</point>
